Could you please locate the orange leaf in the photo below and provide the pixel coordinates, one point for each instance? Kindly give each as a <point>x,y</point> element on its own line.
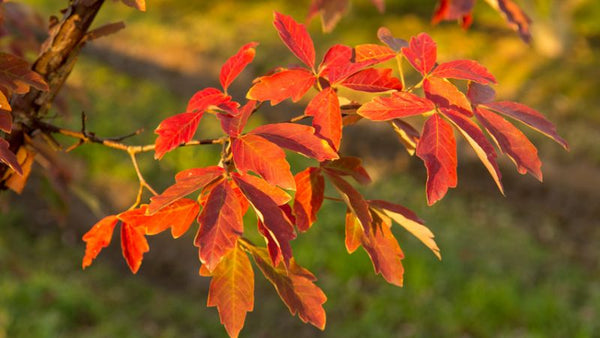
<point>233,125</point>
<point>407,134</point>
<point>278,195</point>
<point>421,53</point>
<point>348,166</point>
<point>310,186</point>
<point>338,63</point>
<point>175,131</point>
<point>97,238</point>
<point>252,152</point>
<point>134,245</point>
<point>137,4</point>
<point>236,64</point>
<point>443,93</point>
<point>464,70</point>
<point>221,224</point>
<point>399,104</point>
<point>327,116</point>
<point>4,108</point>
<point>373,80</point>
<point>354,232</point>
<point>16,75</point>
<point>512,142</point>
<point>186,182</point>
<point>353,199</point>
<point>295,36</point>
<point>296,288</point>
<point>232,290</point>
<point>288,83</point>
<point>14,181</point>
<point>178,216</point>
<point>210,97</point>
<point>368,52</point>
<point>8,157</point>
<point>437,148</point>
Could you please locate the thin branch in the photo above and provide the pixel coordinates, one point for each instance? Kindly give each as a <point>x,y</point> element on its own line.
<point>143,183</point>
<point>333,199</point>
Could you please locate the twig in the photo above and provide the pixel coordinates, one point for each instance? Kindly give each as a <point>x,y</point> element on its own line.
<point>143,183</point>
<point>334,199</point>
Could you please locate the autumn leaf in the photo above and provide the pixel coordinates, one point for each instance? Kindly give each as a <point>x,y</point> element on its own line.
<point>15,181</point>
<point>206,98</point>
<point>338,63</point>
<point>186,182</point>
<point>373,80</point>
<point>464,70</point>
<point>353,199</point>
<point>236,64</point>
<point>232,290</point>
<point>17,77</point>
<point>272,246</point>
<point>327,116</point>
<point>373,52</point>
<point>296,288</point>
<point>454,10</point>
<point>134,245</point>
<point>408,135</point>
<point>137,4</point>
<point>437,148</point>
<point>398,104</point>
<point>443,93</point>
<point>385,35</point>
<point>255,153</point>
<point>289,83</point>
<point>5,108</point>
<point>178,216</point>
<point>409,221</point>
<point>295,36</point>
<point>298,138</point>
<point>97,238</point>
<point>278,195</point>
<point>480,94</point>
<point>483,148</point>
<point>233,125</point>
<point>515,16</point>
<point>310,186</point>
<point>175,131</point>
<point>353,231</point>
<point>512,142</point>
<point>348,166</point>
<point>8,157</point>
<point>270,214</point>
<point>221,224</point>
<point>421,53</point>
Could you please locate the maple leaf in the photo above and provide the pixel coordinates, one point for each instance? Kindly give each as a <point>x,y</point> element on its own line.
<point>233,125</point>
<point>295,36</point>
<point>437,149</point>
<point>287,83</point>
<point>186,182</point>
<point>372,80</point>
<point>454,10</point>
<point>385,35</point>
<point>178,216</point>
<point>409,221</point>
<point>353,199</point>
<point>421,53</point>
<point>298,138</point>
<point>232,290</point>
<point>327,116</point>
<point>348,166</point>
<point>133,245</point>
<point>407,134</point>
<point>445,94</point>
<point>464,70</point>
<point>512,142</point>
<point>483,148</point>
<point>270,214</point>
<point>17,77</point>
<point>137,4</point>
<point>529,116</point>
<point>236,64</point>
<point>373,52</point>
<point>8,157</point>
<point>295,285</point>
<point>398,104</point>
<point>97,238</point>
<point>310,186</point>
<point>255,153</point>
<point>221,224</point>
<point>331,12</point>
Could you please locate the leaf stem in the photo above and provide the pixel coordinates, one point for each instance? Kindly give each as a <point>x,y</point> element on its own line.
<point>400,70</point>
<point>333,199</point>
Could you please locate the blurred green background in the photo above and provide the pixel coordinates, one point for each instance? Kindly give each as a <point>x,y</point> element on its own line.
<point>525,265</point>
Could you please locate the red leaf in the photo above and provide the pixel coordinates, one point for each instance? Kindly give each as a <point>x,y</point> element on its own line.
<point>233,125</point>
<point>530,117</point>
<point>445,94</point>
<point>221,224</point>
<point>272,246</point>
<point>331,12</point>
<point>483,148</point>
<point>512,142</point>
<point>236,64</point>
<point>310,186</point>
<point>186,182</point>
<point>17,77</point>
<point>479,94</point>
<point>269,213</point>
<point>385,35</point>
<point>8,157</point>
<point>232,290</point>
<point>134,245</point>
<point>288,83</point>
<point>278,195</point>
<point>338,63</point>
<point>399,104</point>
<point>97,238</point>
<point>437,148</point>
<point>348,166</point>
<point>252,152</point>
<point>372,80</point>
<point>373,52</point>
<point>175,131</point>
<point>514,15</point>
<point>298,138</point>
<point>354,200</point>
<point>452,10</point>
<point>354,232</point>
<point>327,116</point>
<point>296,288</point>
<point>464,70</point>
<point>409,221</point>
<point>178,216</point>
<point>296,38</point>
<point>408,135</point>
<point>207,97</point>
<point>421,53</point>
